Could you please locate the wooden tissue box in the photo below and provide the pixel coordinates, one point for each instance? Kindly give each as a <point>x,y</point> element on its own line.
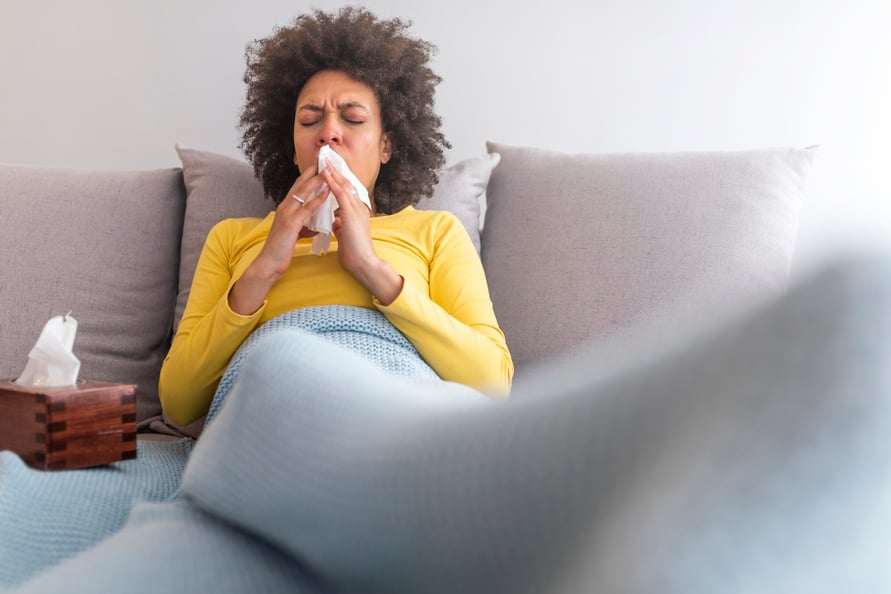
<point>64,427</point>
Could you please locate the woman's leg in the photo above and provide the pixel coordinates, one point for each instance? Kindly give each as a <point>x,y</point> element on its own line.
<point>755,459</point>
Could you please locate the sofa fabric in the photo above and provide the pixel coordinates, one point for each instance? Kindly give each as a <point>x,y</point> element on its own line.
<point>102,245</point>
<point>591,246</point>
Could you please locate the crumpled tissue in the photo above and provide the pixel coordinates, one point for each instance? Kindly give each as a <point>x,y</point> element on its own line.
<point>51,361</point>
<point>322,220</point>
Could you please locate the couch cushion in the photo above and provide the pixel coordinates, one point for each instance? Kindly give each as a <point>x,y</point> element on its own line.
<point>459,190</point>
<point>103,245</point>
<point>580,246</point>
<point>220,187</point>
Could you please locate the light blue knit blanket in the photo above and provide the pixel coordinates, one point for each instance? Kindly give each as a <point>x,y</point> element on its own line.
<point>357,329</point>
<point>46,517</point>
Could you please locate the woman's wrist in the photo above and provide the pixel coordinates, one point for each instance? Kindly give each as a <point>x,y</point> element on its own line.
<point>378,276</point>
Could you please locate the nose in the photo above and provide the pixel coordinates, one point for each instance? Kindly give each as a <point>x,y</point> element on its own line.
<point>329,131</point>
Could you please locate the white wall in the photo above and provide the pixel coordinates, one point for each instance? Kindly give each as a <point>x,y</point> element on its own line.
<point>116,83</point>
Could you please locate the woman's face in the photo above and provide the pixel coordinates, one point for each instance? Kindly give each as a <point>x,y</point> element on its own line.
<point>337,110</point>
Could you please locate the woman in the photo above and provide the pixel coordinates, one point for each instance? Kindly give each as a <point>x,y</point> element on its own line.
<point>749,460</point>
<point>362,87</point>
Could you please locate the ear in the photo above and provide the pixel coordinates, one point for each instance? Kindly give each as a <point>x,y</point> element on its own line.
<point>386,148</point>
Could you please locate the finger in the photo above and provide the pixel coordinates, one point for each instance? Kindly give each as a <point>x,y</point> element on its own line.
<point>300,207</point>
<point>306,186</point>
<point>343,190</point>
<point>295,210</point>
<point>313,204</point>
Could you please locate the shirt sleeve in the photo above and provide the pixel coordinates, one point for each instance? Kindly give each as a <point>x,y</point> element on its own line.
<point>208,334</point>
<point>452,323</point>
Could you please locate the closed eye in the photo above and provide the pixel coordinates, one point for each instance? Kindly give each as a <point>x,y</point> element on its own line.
<point>354,122</point>
<point>354,114</point>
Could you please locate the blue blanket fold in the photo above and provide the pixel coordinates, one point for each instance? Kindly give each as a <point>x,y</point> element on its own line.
<point>364,331</point>
<point>46,517</point>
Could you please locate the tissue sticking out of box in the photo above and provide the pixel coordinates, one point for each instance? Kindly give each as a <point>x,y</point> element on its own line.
<point>51,361</point>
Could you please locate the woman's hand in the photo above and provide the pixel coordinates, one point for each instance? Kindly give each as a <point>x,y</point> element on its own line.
<point>288,225</point>
<point>354,247</point>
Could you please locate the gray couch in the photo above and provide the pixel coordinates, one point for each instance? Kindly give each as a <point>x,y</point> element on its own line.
<point>680,422</point>
<point>576,247</point>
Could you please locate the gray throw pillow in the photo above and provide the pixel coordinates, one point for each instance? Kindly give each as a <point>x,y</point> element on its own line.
<point>220,187</point>
<point>460,189</point>
<point>588,246</point>
<point>103,245</point>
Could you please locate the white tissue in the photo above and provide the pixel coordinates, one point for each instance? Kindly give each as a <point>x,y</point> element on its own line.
<point>322,219</point>
<point>51,362</point>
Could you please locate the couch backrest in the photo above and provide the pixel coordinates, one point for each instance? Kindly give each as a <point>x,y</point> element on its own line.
<point>585,247</point>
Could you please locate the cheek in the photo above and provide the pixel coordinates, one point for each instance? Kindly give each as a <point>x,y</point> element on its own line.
<point>371,163</point>
<point>304,151</point>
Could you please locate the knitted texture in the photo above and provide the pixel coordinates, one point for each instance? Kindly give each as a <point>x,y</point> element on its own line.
<point>361,330</point>
<point>46,517</point>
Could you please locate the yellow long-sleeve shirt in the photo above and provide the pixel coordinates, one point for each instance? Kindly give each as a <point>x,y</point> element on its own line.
<point>444,308</point>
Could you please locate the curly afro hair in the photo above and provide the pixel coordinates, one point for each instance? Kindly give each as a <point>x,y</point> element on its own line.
<point>376,52</point>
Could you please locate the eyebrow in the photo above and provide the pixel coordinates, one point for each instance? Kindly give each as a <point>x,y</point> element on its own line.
<point>344,105</point>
